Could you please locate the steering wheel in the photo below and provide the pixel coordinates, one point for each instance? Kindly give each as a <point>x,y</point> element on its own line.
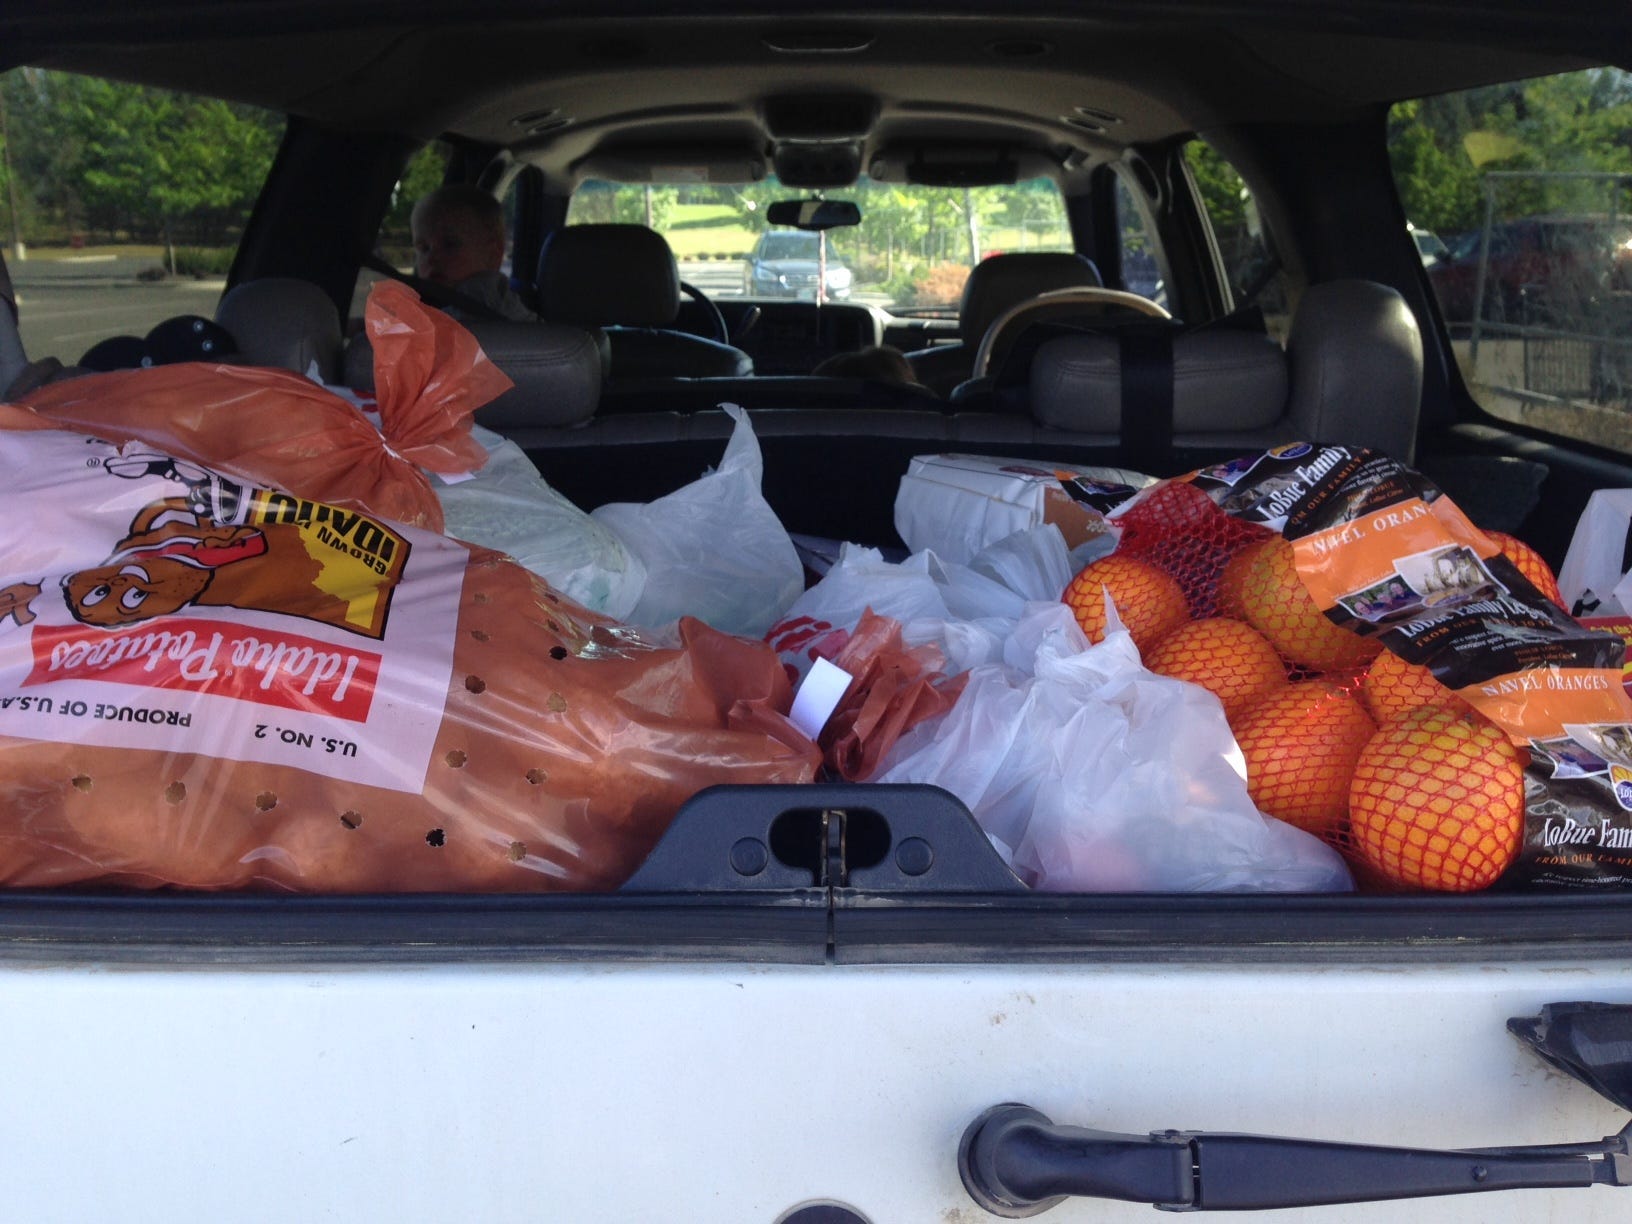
<point>722,333</point>
<point>1000,336</point>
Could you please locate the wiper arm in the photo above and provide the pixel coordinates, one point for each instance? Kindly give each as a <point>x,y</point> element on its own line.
<point>1015,1162</point>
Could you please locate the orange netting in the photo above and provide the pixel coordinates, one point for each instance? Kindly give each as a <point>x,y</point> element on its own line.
<point>1340,737</point>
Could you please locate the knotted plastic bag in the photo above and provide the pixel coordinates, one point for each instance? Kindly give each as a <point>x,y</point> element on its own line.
<point>967,611</point>
<point>279,429</point>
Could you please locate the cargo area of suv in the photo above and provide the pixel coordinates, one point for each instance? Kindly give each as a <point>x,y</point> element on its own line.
<point>636,733</point>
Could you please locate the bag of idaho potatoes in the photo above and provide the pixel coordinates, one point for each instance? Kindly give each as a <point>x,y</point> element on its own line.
<point>210,684</point>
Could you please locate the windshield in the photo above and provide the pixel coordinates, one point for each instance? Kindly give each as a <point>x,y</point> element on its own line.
<point>790,246</point>
<point>911,252</point>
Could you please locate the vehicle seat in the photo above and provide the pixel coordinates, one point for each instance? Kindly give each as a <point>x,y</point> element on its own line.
<point>623,278</point>
<point>284,322</point>
<point>995,285</point>
<point>557,373</point>
<point>1350,375</point>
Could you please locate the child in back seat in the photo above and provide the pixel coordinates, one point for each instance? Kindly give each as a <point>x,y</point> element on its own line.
<point>880,363</point>
<point>458,235</point>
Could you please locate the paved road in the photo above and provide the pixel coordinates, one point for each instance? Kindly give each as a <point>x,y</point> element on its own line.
<point>66,307</point>
<point>63,308</point>
<point>715,277</point>
<point>722,278</point>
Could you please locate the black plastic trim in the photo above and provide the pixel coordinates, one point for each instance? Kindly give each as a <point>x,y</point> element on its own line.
<point>796,927</point>
<point>789,928</point>
<point>1220,929</point>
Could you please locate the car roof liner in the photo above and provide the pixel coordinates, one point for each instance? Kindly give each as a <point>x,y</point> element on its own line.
<point>493,60</point>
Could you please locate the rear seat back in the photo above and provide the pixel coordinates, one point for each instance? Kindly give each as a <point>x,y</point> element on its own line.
<point>557,372</point>
<point>1224,381</point>
<point>1351,374</point>
<point>293,324</point>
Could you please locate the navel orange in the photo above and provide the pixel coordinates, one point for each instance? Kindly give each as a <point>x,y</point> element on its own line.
<point>1392,688</point>
<point>1149,602</point>
<point>1228,658</point>
<point>1529,563</point>
<point>1274,601</point>
<point>1437,801</point>
<point>1301,745</point>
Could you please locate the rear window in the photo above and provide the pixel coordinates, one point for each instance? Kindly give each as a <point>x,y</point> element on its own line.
<point>911,252</point>
<point>123,204</point>
<point>1518,197</point>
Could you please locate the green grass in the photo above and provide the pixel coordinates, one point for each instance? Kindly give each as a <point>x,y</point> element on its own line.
<point>721,237</point>
<point>701,216</point>
<point>709,229</point>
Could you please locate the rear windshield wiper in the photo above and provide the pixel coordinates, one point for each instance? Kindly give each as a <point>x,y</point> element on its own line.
<point>1015,1162</point>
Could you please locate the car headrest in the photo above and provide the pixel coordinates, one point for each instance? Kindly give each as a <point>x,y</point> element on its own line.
<point>1356,356</point>
<point>284,322</point>
<point>557,372</point>
<point>608,275</point>
<point>1351,375</point>
<point>1224,380</point>
<point>1000,282</point>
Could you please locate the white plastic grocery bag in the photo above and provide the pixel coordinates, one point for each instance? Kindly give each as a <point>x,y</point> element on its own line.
<point>1092,774</point>
<point>969,611</point>
<point>713,549</point>
<point>507,506</point>
<point>1593,574</point>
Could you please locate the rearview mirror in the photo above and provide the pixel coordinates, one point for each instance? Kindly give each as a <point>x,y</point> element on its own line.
<point>814,214</point>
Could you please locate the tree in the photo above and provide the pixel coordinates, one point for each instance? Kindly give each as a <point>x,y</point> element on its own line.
<point>1443,147</point>
<point>424,173</point>
<point>599,203</point>
<point>118,157</point>
<point>1438,184</point>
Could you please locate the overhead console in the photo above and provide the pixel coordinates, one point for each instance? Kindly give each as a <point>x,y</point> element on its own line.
<point>817,139</point>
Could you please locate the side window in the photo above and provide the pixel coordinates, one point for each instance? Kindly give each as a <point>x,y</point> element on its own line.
<point>1144,263</point>
<point>394,243</point>
<point>115,197</point>
<point>1252,267</point>
<point>1520,200</point>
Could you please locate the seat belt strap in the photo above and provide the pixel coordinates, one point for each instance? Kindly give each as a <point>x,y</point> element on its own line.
<point>1147,398</point>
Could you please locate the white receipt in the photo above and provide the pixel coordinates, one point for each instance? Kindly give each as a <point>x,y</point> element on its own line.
<point>818,696</point>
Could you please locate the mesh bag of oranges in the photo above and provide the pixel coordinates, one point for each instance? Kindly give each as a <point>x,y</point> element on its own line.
<point>1401,683</point>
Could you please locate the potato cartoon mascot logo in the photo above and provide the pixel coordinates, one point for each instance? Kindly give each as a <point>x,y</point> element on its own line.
<point>286,555</point>
<point>168,560</point>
